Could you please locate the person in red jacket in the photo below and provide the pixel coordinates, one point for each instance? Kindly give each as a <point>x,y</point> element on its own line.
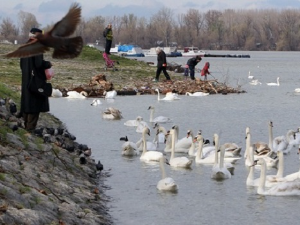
<point>205,71</point>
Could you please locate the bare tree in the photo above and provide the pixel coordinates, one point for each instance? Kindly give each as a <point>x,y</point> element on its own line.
<point>8,30</point>
<point>26,22</point>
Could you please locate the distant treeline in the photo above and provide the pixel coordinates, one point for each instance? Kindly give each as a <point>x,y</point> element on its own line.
<point>266,29</point>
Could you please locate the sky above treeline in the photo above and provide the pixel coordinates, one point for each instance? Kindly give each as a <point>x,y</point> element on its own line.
<point>49,11</point>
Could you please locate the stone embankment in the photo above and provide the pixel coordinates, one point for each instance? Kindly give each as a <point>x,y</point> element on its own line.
<point>46,177</point>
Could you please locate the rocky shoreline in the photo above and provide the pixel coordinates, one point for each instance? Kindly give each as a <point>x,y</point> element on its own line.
<point>46,177</point>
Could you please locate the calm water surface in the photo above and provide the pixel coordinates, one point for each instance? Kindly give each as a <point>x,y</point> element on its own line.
<point>199,200</point>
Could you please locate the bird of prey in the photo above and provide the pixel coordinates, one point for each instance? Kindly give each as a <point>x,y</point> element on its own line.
<point>58,38</point>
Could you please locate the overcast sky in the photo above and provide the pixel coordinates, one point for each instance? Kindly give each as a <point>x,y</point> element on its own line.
<point>47,11</point>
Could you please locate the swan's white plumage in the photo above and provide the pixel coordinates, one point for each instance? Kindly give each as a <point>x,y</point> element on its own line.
<point>158,119</point>
<point>219,170</point>
<point>148,156</point>
<point>166,183</point>
<point>96,102</point>
<point>133,123</point>
<point>56,93</point>
<point>168,97</point>
<point>75,94</point>
<point>274,84</point>
<point>197,94</point>
<point>110,94</point>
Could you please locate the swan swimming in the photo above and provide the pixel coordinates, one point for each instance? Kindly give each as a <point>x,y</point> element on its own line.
<point>166,183</point>
<point>96,102</point>
<point>250,76</point>
<point>197,94</point>
<point>133,123</point>
<point>110,94</point>
<point>129,148</point>
<point>56,93</point>
<point>112,114</point>
<point>158,119</point>
<point>182,162</point>
<point>285,143</point>
<point>274,84</point>
<point>287,188</point>
<point>75,94</point>
<point>168,97</point>
<point>219,171</point>
<point>148,156</point>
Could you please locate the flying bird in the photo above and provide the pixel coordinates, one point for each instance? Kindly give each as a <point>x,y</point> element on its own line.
<point>65,47</point>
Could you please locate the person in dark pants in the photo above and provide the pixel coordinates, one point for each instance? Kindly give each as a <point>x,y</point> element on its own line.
<point>108,37</point>
<point>161,65</point>
<point>33,104</point>
<point>192,62</point>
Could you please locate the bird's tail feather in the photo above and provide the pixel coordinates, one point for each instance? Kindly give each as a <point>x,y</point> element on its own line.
<point>70,50</point>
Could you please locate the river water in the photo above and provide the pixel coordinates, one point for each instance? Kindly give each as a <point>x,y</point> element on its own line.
<point>199,200</point>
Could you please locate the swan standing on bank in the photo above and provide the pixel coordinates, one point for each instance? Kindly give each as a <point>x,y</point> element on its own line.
<point>166,183</point>
<point>148,156</point>
<point>158,119</point>
<point>291,188</point>
<point>274,84</point>
<point>182,162</point>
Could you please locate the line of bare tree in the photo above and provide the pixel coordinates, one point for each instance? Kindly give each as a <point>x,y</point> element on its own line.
<point>266,29</point>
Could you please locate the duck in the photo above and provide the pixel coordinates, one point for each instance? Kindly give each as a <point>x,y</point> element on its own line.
<point>158,119</point>
<point>99,166</point>
<point>181,162</point>
<point>197,94</point>
<point>274,84</point>
<point>96,102</point>
<point>110,94</point>
<point>56,93</point>
<point>285,188</point>
<point>168,97</point>
<point>166,183</point>
<point>112,114</point>
<point>75,94</point>
<point>149,156</point>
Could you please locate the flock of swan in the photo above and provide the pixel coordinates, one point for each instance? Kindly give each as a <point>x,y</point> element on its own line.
<point>222,157</point>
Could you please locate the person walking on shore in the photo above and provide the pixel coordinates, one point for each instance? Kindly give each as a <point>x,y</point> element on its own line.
<point>108,34</point>
<point>192,62</point>
<point>161,65</point>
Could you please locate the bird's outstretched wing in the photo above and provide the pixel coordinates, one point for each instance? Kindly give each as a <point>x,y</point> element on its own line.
<point>67,25</point>
<point>30,49</point>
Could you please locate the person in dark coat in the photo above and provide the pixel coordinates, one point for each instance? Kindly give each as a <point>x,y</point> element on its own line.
<point>192,62</point>
<point>161,65</point>
<point>109,38</point>
<point>32,104</point>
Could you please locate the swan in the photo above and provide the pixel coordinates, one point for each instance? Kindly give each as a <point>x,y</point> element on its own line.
<point>232,150</point>
<point>148,156</point>
<point>56,93</point>
<point>286,188</point>
<point>250,76</point>
<point>160,133</point>
<point>141,125</point>
<point>166,183</point>
<point>133,123</point>
<point>219,170</point>
<point>75,94</point>
<point>254,82</point>
<point>182,162</point>
<point>150,146</point>
<point>112,114</point>
<point>110,94</point>
<point>274,84</point>
<point>129,148</point>
<point>284,143</point>
<point>168,97</point>
<point>159,119</point>
<point>96,102</point>
<point>297,90</point>
<point>197,94</point>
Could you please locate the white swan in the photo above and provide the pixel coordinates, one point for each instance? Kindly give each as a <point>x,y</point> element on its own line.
<point>133,123</point>
<point>166,183</point>
<point>96,102</point>
<point>291,188</point>
<point>56,93</point>
<point>182,162</point>
<point>250,76</point>
<point>197,94</point>
<point>75,94</point>
<point>254,82</point>
<point>150,146</point>
<point>129,148</point>
<point>297,90</point>
<point>148,156</point>
<point>274,84</point>
<point>112,114</point>
<point>219,170</point>
<point>141,125</point>
<point>285,143</point>
<point>161,132</point>
<point>168,97</point>
<point>110,94</point>
<point>158,119</point>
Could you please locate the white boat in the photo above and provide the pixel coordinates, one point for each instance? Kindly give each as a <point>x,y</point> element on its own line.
<point>170,52</point>
<point>192,52</point>
<point>128,50</point>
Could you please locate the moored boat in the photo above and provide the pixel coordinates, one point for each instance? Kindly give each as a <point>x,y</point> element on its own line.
<point>192,52</point>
